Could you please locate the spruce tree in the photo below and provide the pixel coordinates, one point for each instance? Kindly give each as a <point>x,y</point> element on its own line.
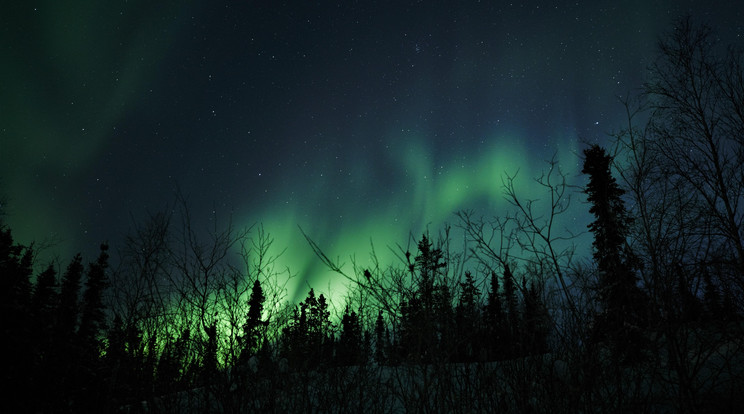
<point>91,372</point>
<point>93,317</point>
<point>171,374</point>
<point>611,220</point>
<point>350,343</point>
<point>208,367</point>
<point>426,312</point>
<point>63,360</point>
<point>15,296</point>
<point>15,274</point>
<point>44,300</point>
<point>69,298</point>
<point>321,330</point>
<point>535,320</point>
<point>495,321</point>
<point>443,316</point>
<point>43,307</point>
<point>252,329</point>
<point>511,345</point>
<point>382,340</point>
<point>307,340</point>
<point>467,320</point>
<point>294,336</point>
<point>429,263</point>
<point>116,361</point>
<point>410,334</point>
<point>623,305</point>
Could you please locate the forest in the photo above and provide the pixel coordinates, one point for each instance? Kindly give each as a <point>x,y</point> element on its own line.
<point>518,321</point>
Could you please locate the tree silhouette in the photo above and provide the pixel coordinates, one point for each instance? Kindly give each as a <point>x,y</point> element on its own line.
<point>496,326</point>
<point>308,340</point>
<point>69,299</point>
<point>382,340</point>
<point>426,311</point>
<point>15,295</point>
<point>513,319</point>
<point>44,300</point>
<point>623,305</point>
<point>93,319</point>
<point>43,311</point>
<point>350,350</point>
<point>663,294</point>
<point>253,327</point>
<point>209,362</point>
<point>468,321</point>
<point>535,320</point>
<point>696,124</point>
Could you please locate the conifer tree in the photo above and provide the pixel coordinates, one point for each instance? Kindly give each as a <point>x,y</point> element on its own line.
<point>69,298</point>
<point>382,340</point>
<point>62,363</point>
<point>429,262</point>
<point>15,295</point>
<point>294,336</point>
<point>171,370</point>
<point>623,305</point>
<point>512,318</point>
<point>209,355</point>
<point>93,318</point>
<point>426,312</point>
<point>252,329</point>
<point>610,225</point>
<point>467,318</point>
<point>44,300</point>
<point>320,330</point>
<point>444,339</point>
<point>535,320</point>
<point>495,320</point>
<point>350,344</point>
<point>117,362</point>
<point>90,334</point>
<point>307,340</point>
<point>15,273</point>
<point>43,307</point>
<point>410,333</point>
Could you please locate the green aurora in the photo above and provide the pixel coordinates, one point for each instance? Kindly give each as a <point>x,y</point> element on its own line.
<point>359,125</point>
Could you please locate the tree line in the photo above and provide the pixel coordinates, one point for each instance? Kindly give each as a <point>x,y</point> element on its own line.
<point>515,320</point>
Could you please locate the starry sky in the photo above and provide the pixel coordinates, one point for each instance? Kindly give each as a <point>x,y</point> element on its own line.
<point>360,121</point>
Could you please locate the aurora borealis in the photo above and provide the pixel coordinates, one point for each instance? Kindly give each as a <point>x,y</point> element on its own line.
<point>358,121</point>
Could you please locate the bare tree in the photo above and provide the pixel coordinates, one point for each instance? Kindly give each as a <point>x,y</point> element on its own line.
<point>696,101</point>
<point>680,159</point>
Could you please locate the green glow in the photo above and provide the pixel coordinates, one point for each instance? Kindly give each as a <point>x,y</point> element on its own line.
<point>81,73</point>
<point>425,194</point>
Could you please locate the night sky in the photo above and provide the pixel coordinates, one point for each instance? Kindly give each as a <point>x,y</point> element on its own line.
<point>358,121</point>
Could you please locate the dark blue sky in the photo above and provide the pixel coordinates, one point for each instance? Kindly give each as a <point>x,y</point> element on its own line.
<point>355,120</point>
